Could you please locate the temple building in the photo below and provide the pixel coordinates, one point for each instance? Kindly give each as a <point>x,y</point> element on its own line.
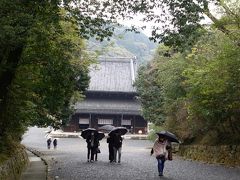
<point>110,98</point>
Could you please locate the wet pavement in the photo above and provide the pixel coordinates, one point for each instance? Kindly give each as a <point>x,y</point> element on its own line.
<point>69,162</point>
<point>36,169</point>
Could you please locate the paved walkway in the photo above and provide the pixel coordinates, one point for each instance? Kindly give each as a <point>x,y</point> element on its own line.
<point>36,169</point>
<point>69,162</point>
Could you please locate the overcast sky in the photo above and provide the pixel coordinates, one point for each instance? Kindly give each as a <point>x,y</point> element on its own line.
<point>137,20</point>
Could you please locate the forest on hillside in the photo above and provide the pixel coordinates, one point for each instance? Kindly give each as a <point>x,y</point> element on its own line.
<point>124,43</point>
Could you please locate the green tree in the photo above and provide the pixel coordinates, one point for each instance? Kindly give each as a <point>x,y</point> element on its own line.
<point>185,17</point>
<point>150,94</point>
<point>52,66</point>
<point>213,86</point>
<point>165,106</point>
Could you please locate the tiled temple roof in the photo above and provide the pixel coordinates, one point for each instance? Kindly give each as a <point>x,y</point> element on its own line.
<point>113,75</point>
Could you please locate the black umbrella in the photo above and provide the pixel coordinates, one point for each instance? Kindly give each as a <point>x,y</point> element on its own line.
<point>87,132</point>
<point>118,130</point>
<point>100,135</point>
<point>106,128</point>
<point>169,136</point>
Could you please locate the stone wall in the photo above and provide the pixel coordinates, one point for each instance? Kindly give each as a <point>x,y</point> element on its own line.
<point>228,154</point>
<point>12,168</point>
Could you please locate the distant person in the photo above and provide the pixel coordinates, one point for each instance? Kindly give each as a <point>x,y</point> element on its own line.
<point>49,141</point>
<point>160,149</point>
<point>110,148</point>
<point>117,147</point>
<point>92,144</point>
<point>55,143</point>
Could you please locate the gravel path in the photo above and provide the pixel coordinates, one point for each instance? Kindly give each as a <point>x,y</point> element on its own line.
<point>69,162</point>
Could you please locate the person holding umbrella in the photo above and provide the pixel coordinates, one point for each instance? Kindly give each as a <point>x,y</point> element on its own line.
<point>117,147</point>
<point>92,145</point>
<point>92,137</point>
<point>108,128</point>
<point>161,148</point>
<point>116,134</point>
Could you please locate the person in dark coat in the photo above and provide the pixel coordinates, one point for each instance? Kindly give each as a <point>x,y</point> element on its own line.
<point>49,141</point>
<point>110,148</point>
<point>117,147</point>
<point>55,143</point>
<point>92,145</point>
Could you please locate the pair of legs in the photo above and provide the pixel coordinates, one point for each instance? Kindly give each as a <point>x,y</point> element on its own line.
<point>111,153</point>
<point>92,152</point>
<point>119,152</point>
<point>161,162</point>
<point>48,145</point>
<point>96,156</point>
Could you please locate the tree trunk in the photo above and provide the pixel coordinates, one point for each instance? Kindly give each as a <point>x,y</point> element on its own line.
<point>8,70</point>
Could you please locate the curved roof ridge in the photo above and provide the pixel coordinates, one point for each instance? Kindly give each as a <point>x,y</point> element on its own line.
<point>116,59</point>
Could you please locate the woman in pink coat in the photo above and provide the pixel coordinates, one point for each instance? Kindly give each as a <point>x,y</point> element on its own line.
<point>160,150</point>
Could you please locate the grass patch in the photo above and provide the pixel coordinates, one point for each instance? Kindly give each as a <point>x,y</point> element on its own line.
<point>3,157</point>
<point>8,150</point>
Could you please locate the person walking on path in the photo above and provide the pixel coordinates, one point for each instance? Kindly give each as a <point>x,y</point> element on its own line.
<point>92,145</point>
<point>117,147</point>
<point>49,141</point>
<point>160,149</point>
<point>110,148</point>
<point>55,143</point>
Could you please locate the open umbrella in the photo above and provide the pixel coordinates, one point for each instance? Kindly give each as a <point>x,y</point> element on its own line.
<point>87,132</point>
<point>169,136</point>
<point>100,135</point>
<point>119,130</point>
<point>106,128</point>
